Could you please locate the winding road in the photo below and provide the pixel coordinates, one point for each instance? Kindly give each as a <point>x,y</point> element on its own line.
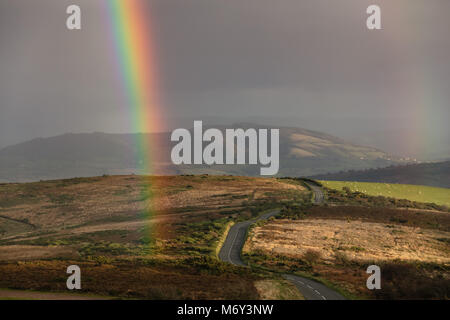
<point>232,248</point>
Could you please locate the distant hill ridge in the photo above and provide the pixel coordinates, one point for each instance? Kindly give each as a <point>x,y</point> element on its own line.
<point>302,153</point>
<point>429,174</point>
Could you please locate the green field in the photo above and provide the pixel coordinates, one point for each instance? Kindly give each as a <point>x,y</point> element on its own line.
<point>440,196</point>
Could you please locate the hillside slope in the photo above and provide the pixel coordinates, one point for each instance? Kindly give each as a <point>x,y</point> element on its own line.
<point>423,194</point>
<point>429,174</point>
<point>302,152</point>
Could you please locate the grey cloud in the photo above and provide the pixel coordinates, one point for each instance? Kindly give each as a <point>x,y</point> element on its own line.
<point>309,62</point>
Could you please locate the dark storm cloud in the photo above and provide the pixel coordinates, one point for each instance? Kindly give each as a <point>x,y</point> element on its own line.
<point>262,44</point>
<point>308,63</point>
<point>52,81</point>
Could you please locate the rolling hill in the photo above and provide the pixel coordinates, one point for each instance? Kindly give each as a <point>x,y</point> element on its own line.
<point>424,194</point>
<point>429,174</point>
<point>302,153</point>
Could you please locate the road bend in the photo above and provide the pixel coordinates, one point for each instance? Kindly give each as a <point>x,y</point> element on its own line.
<point>235,240</point>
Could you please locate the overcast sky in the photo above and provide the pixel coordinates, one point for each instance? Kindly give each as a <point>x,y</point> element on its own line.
<point>310,64</point>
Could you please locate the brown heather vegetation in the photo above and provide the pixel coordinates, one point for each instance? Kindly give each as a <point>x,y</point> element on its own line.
<point>128,240</point>
<point>326,240</point>
<point>415,218</point>
<point>336,243</point>
<point>135,279</point>
<point>130,243</point>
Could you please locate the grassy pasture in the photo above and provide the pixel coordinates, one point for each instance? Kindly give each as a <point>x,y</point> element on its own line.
<point>425,194</point>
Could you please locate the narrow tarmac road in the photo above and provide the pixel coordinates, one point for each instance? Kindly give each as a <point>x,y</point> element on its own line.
<point>232,247</point>
<point>234,242</point>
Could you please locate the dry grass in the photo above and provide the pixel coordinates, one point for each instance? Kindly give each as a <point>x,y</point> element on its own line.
<point>318,239</point>
<point>64,203</point>
<point>277,290</point>
<point>414,261</point>
<point>415,218</point>
<point>20,253</point>
<point>109,225</point>
<point>67,208</point>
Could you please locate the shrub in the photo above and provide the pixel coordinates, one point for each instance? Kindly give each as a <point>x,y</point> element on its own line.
<point>409,281</point>
<point>312,256</point>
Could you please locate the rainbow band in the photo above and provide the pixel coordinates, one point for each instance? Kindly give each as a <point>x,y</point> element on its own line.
<point>135,54</point>
<point>133,46</point>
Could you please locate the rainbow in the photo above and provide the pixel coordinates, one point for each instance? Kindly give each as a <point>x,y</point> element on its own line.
<point>135,53</point>
<point>131,35</point>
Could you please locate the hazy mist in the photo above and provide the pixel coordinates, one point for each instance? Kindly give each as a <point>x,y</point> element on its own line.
<point>310,64</point>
